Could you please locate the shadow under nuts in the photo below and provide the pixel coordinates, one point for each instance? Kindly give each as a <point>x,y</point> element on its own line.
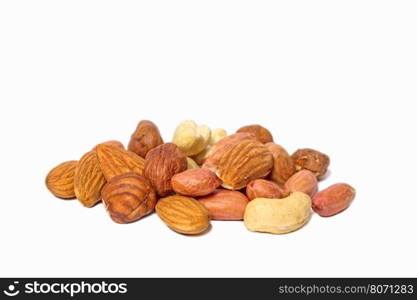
<point>195,182</point>
<point>278,216</point>
<point>161,163</point>
<point>183,214</point>
<point>128,197</point>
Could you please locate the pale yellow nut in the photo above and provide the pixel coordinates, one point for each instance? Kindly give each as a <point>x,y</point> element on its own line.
<point>190,138</point>
<point>191,164</point>
<point>278,216</point>
<point>216,135</point>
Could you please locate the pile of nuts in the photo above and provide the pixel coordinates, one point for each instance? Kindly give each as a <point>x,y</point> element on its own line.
<point>202,175</point>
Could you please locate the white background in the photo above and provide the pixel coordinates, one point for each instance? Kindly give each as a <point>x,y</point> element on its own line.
<point>339,76</point>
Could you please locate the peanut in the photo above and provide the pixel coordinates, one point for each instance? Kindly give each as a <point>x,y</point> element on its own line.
<point>278,216</point>
<point>333,200</point>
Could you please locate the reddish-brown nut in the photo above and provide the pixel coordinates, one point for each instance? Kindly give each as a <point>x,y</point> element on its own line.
<point>128,197</point>
<point>195,182</point>
<point>262,188</point>
<point>333,200</point>
<point>303,181</point>
<point>113,143</point>
<point>145,138</point>
<point>161,163</point>
<point>260,133</point>
<point>217,150</point>
<point>312,160</point>
<point>283,164</point>
<point>225,205</point>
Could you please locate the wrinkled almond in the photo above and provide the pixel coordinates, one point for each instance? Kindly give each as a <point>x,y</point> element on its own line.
<point>183,214</point>
<point>60,180</point>
<point>283,164</point>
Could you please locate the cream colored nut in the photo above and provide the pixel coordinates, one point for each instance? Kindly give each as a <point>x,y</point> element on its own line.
<point>191,164</point>
<point>216,135</point>
<point>278,216</point>
<point>191,138</point>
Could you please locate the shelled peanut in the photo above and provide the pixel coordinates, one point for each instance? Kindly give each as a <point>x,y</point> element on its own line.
<point>202,174</point>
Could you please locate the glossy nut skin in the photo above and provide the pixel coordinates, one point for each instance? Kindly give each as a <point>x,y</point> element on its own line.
<point>262,188</point>
<point>333,200</point>
<point>283,164</point>
<point>195,182</point>
<point>225,205</point>
<point>303,181</point>
<point>128,197</point>
<point>145,138</point>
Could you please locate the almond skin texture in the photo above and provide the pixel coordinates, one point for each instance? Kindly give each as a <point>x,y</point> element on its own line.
<point>88,180</point>
<point>113,143</point>
<point>303,181</point>
<point>195,182</point>
<point>334,199</point>
<point>260,133</point>
<point>312,160</point>
<point>60,180</point>
<point>283,165</point>
<point>183,214</point>
<point>278,216</point>
<point>243,162</point>
<point>161,164</point>
<point>225,205</point>
<point>145,138</point>
<point>115,161</point>
<point>216,151</point>
<point>128,197</point>
<point>261,188</point>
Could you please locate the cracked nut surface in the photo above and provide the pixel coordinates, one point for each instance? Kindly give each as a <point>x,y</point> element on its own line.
<point>310,159</point>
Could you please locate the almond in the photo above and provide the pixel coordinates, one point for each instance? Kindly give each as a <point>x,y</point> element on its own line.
<point>145,138</point>
<point>60,180</point>
<point>88,179</point>
<point>261,188</point>
<point>113,143</point>
<point>243,162</point>
<point>283,164</point>
<point>115,161</point>
<point>312,160</point>
<point>261,134</point>
<point>128,197</point>
<point>225,205</point>
<point>302,181</point>
<point>333,200</point>
<point>195,182</point>
<point>161,164</point>
<point>183,214</point>
<point>216,151</point>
